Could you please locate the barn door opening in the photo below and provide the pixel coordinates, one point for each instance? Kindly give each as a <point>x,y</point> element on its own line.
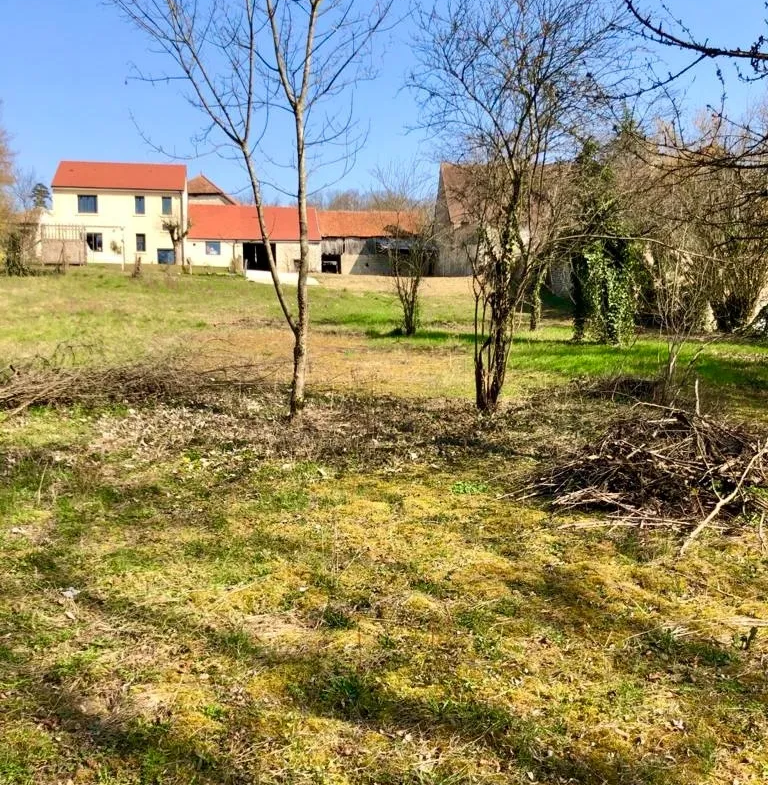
<point>331,263</point>
<point>255,256</point>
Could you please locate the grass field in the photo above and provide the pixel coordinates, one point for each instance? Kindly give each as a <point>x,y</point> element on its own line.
<point>108,316</point>
<point>203,594</point>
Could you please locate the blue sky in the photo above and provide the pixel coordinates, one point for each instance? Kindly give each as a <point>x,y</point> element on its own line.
<point>66,90</point>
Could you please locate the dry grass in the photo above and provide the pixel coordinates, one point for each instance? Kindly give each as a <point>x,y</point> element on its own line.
<point>430,287</point>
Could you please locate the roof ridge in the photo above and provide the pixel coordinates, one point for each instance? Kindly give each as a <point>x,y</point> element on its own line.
<point>117,163</point>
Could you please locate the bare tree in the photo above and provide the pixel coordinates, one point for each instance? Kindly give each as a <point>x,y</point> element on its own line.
<point>19,215</point>
<point>411,252</point>
<point>243,61</point>
<point>350,199</point>
<point>716,190</point>
<point>734,229</point>
<point>730,215</point>
<point>6,182</point>
<point>355,200</point>
<point>404,190</point>
<point>676,272</point>
<point>678,280</point>
<point>177,231</point>
<point>666,30</point>
<point>514,83</point>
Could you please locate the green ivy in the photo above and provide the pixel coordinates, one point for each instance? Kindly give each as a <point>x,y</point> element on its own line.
<point>605,265</point>
<point>605,274</point>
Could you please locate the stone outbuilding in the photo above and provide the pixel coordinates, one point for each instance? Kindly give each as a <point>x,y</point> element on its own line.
<point>358,242</point>
<point>456,227</point>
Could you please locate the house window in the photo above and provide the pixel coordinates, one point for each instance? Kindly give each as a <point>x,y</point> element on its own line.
<point>87,203</point>
<point>141,242</point>
<point>167,205</point>
<point>166,256</point>
<point>94,240</point>
<point>213,248</point>
<point>139,205</point>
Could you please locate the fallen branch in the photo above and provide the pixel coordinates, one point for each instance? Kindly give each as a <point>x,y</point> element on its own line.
<point>724,501</point>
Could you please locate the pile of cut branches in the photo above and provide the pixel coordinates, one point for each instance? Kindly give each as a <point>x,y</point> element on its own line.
<point>63,379</point>
<point>660,466</point>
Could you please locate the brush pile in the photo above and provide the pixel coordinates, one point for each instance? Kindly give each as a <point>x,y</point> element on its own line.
<point>64,380</point>
<point>662,466</point>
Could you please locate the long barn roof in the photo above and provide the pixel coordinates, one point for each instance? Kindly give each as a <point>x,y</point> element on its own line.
<point>367,223</point>
<point>241,222</point>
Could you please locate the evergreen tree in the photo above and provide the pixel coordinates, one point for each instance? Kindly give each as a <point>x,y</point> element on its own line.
<point>41,196</point>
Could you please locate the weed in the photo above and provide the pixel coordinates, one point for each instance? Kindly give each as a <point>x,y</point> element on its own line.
<point>236,643</point>
<point>336,618</point>
<point>214,712</point>
<point>468,488</point>
<point>351,695</point>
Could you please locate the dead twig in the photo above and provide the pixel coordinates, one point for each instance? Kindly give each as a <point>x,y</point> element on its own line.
<point>724,500</point>
<point>65,379</point>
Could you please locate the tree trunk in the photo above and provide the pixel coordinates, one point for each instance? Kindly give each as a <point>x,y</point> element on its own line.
<point>536,304</point>
<point>481,396</point>
<point>491,368</point>
<point>580,306</point>
<point>177,260</point>
<point>301,332</point>
<point>299,372</point>
<point>668,388</point>
<point>535,307</point>
<point>410,322</point>
<point>488,385</point>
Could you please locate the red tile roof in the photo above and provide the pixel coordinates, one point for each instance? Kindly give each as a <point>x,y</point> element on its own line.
<point>240,222</point>
<point>202,186</point>
<point>144,177</point>
<point>367,223</point>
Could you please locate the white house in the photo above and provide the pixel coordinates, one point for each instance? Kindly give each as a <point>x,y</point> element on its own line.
<point>112,212</point>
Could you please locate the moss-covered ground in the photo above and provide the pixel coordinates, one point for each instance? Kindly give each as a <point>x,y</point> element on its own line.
<point>205,594</point>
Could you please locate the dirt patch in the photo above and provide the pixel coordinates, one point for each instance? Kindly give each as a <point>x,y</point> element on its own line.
<point>431,287</point>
